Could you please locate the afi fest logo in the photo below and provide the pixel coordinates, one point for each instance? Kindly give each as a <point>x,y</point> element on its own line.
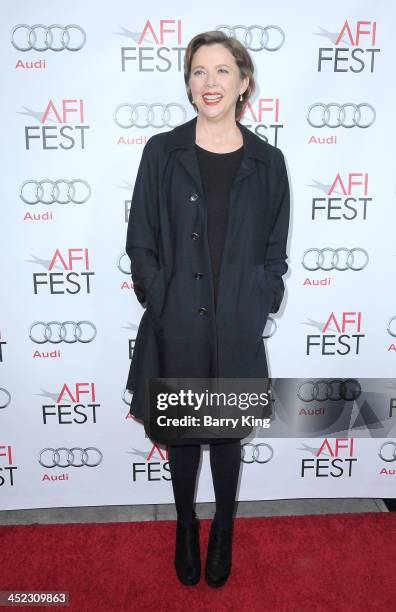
<point>72,405</point>
<point>354,48</point>
<point>157,48</point>
<point>334,459</point>
<point>6,466</point>
<point>147,467</point>
<point>346,198</point>
<point>69,280</point>
<point>345,341</point>
<point>264,118</point>
<point>62,126</point>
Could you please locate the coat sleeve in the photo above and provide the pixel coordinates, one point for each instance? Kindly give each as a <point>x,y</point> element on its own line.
<point>276,256</point>
<point>143,225</point>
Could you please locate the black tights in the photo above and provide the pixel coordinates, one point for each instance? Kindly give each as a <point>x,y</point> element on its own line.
<point>225,461</point>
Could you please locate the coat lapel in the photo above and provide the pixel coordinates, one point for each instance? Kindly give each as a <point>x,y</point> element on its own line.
<point>183,137</point>
<point>189,160</point>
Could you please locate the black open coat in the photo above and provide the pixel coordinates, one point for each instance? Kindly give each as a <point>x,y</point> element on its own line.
<point>181,334</point>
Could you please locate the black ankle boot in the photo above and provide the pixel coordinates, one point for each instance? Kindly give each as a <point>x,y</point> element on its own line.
<point>187,557</point>
<point>219,556</point>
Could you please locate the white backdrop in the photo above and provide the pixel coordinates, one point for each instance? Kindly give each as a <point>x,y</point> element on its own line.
<point>63,387</point>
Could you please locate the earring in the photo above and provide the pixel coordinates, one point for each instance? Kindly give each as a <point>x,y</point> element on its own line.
<point>240,98</point>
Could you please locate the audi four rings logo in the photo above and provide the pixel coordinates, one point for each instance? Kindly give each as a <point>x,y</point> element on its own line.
<point>70,457</point>
<point>60,332</point>
<point>142,115</point>
<point>334,115</point>
<point>272,326</point>
<point>336,389</point>
<point>48,192</point>
<point>128,263</point>
<point>258,33</point>
<point>55,37</point>
<point>349,261</point>
<point>389,454</point>
<point>388,327</point>
<point>130,395</point>
<point>4,401</point>
<point>256,453</point>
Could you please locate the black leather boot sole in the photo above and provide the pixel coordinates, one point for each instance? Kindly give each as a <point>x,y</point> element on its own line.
<point>219,555</point>
<point>187,556</point>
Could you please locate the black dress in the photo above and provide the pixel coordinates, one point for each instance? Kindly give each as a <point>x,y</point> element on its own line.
<point>218,171</point>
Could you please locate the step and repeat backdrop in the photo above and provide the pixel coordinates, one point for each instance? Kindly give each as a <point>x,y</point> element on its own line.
<point>84,87</point>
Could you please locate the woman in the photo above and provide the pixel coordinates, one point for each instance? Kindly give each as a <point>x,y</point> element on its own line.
<point>207,240</point>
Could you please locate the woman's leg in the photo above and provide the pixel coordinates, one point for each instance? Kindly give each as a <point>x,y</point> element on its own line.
<point>183,464</point>
<point>225,462</point>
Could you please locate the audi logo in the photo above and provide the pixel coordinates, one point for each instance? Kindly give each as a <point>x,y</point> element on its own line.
<point>72,457</point>
<point>388,327</point>
<point>127,115</point>
<point>61,330</point>
<point>272,330</point>
<point>334,115</point>
<point>256,453</point>
<point>390,454</point>
<point>336,389</point>
<point>128,263</point>
<point>334,259</point>
<point>40,37</point>
<point>7,400</point>
<point>130,394</point>
<point>260,33</point>
<point>38,191</point>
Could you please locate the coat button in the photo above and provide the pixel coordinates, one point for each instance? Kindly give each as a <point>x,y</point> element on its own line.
<point>198,275</point>
<point>195,235</point>
<point>193,197</point>
<point>202,310</point>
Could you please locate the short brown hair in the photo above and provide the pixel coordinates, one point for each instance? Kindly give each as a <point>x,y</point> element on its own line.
<point>240,53</point>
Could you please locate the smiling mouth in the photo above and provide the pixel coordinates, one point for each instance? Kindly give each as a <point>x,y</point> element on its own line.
<point>212,99</point>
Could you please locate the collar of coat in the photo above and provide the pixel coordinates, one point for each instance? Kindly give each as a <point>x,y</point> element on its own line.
<point>183,137</point>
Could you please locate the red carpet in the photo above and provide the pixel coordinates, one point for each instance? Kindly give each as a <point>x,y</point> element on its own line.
<point>334,563</point>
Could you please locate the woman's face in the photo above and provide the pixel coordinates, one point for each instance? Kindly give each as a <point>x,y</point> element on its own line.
<point>215,82</point>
